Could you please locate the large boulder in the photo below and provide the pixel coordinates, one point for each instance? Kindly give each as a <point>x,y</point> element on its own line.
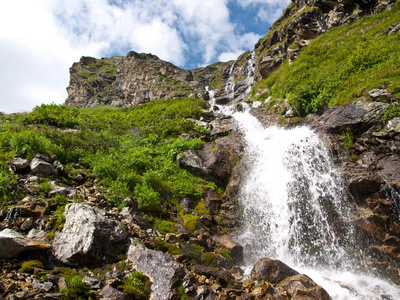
<point>271,270</point>
<point>356,117</point>
<point>216,160</point>
<point>12,243</point>
<point>301,287</point>
<point>165,273</point>
<point>89,237</point>
<point>42,168</point>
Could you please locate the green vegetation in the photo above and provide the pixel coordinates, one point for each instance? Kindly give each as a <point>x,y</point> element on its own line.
<point>76,289</point>
<point>132,152</point>
<point>339,66</point>
<point>137,285</point>
<point>29,266</point>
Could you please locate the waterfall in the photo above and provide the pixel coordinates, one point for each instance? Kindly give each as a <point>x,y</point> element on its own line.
<point>230,86</point>
<point>295,210</point>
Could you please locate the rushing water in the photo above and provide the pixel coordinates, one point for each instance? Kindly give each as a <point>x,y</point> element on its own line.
<point>294,207</point>
<point>295,210</point>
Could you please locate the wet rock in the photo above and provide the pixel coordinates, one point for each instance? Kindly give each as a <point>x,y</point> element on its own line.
<point>271,270</point>
<point>216,160</point>
<point>356,117</point>
<point>110,293</point>
<point>13,243</point>
<point>301,287</point>
<point>224,276</point>
<point>165,273</point>
<point>89,237</point>
<point>223,127</point>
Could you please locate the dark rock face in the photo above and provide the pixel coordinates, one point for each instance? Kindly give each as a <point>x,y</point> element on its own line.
<point>13,243</point>
<point>165,273</point>
<point>88,237</point>
<point>273,271</point>
<point>369,166</point>
<point>356,117</point>
<point>216,160</point>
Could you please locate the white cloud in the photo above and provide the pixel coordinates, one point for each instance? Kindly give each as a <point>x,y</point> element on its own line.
<point>39,40</point>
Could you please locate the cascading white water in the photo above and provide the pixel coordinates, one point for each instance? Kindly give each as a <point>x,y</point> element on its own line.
<point>295,210</point>
<point>230,85</point>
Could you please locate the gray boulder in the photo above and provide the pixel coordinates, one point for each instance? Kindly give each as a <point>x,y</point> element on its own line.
<point>42,168</point>
<point>89,237</point>
<point>165,273</point>
<point>19,164</point>
<point>12,243</point>
<point>110,293</point>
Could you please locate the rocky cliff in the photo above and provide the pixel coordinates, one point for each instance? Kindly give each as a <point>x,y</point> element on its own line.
<point>139,78</point>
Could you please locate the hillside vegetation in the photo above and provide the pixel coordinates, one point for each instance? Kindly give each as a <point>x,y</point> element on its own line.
<point>339,66</point>
<point>130,151</point>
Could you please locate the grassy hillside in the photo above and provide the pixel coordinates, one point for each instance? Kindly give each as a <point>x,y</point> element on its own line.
<point>339,66</point>
<point>132,152</point>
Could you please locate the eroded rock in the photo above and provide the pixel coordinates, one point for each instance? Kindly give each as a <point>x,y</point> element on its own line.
<point>165,273</point>
<point>89,237</point>
<point>13,243</point>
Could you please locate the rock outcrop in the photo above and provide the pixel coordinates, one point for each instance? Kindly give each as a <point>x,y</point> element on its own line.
<point>302,21</point>
<point>13,243</point>
<point>128,81</point>
<point>165,273</point>
<point>88,237</point>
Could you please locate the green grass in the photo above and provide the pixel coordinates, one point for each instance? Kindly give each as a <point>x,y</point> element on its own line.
<point>131,151</point>
<point>339,66</point>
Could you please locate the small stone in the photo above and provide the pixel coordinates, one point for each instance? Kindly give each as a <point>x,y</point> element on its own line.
<point>92,283</point>
<point>62,283</point>
<point>171,238</point>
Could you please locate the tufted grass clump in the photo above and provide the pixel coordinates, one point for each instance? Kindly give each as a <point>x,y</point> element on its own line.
<point>137,285</point>
<point>76,289</point>
<point>30,265</point>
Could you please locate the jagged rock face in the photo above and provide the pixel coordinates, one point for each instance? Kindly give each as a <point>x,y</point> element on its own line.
<point>128,81</point>
<point>304,20</point>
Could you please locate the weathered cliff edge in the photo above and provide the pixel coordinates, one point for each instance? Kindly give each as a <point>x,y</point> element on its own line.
<point>139,78</point>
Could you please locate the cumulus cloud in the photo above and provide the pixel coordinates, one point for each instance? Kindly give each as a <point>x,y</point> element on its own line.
<point>39,40</point>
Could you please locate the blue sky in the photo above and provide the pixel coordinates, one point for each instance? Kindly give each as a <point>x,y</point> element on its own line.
<point>41,39</point>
